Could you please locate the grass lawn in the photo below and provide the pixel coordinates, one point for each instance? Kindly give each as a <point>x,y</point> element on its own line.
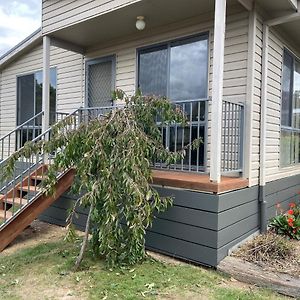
<point>44,271</point>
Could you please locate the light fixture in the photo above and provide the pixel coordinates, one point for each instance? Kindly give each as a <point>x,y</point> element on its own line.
<point>140,23</point>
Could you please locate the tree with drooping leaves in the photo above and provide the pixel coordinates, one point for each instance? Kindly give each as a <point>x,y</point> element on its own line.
<point>112,155</point>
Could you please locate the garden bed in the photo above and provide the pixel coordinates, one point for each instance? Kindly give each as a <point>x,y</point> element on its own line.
<point>270,261</point>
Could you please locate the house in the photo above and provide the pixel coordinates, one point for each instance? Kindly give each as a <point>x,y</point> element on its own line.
<point>233,66</point>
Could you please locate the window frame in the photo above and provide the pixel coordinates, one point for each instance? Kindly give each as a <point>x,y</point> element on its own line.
<point>284,128</point>
<point>168,44</point>
<point>17,90</point>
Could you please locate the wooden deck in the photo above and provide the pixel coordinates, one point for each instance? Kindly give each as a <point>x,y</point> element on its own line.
<point>199,182</point>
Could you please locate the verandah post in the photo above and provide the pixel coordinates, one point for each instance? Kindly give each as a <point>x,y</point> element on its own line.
<point>46,83</point>
<point>217,90</point>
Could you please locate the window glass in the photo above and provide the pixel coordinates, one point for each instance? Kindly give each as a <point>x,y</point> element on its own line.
<point>25,95</point>
<point>30,93</point>
<point>53,79</point>
<point>38,91</point>
<point>287,89</point>
<point>153,71</point>
<point>178,70</point>
<point>286,147</point>
<point>290,111</point>
<point>188,71</point>
<point>296,110</point>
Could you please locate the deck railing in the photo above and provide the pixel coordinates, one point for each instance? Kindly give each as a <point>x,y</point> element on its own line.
<point>177,137</point>
<point>232,137</point>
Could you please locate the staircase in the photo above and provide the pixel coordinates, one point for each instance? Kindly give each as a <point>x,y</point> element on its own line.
<point>22,198</point>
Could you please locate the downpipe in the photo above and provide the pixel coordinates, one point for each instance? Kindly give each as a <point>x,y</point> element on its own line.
<point>263,132</point>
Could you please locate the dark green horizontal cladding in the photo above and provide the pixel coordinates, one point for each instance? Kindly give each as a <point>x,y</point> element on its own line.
<point>57,213</point>
<point>193,217</point>
<point>194,234</point>
<point>191,199</point>
<point>289,192</point>
<point>237,229</point>
<point>223,251</point>
<point>236,198</point>
<point>283,192</point>
<point>237,213</point>
<point>282,184</point>
<point>181,249</point>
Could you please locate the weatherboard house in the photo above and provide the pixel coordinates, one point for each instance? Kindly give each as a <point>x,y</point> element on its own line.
<point>234,68</point>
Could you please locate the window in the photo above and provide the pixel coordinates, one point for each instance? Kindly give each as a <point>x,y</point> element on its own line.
<point>290,111</point>
<point>29,102</point>
<point>177,70</point>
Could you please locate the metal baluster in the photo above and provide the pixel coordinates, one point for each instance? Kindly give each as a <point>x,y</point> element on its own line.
<point>182,137</point>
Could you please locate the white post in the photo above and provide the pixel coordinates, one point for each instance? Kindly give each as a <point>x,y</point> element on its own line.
<point>46,83</point>
<point>217,90</point>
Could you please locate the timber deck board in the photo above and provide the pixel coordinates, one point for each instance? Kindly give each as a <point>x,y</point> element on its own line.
<point>198,182</point>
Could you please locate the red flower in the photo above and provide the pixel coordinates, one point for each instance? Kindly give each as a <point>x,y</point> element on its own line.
<point>290,222</point>
<point>292,205</point>
<point>290,212</point>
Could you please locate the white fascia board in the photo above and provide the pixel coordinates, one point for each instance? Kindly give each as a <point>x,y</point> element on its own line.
<point>19,48</point>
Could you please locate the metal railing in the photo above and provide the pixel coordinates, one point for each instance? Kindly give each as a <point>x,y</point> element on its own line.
<point>29,172</point>
<point>177,137</point>
<point>16,138</point>
<point>232,137</point>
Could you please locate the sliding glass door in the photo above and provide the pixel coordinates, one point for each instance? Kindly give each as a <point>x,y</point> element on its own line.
<point>178,70</point>
<point>29,103</point>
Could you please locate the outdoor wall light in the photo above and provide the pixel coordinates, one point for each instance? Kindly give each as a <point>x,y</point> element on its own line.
<point>140,23</point>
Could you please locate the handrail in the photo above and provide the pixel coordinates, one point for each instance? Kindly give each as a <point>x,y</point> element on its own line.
<point>22,125</point>
<point>23,188</point>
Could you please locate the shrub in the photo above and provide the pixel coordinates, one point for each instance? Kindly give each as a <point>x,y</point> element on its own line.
<point>288,223</point>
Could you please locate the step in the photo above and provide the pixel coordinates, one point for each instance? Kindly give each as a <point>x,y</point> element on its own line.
<point>16,200</point>
<point>39,177</point>
<point>29,188</point>
<point>8,214</point>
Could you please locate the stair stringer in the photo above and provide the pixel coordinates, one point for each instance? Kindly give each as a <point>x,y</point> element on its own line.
<point>34,208</point>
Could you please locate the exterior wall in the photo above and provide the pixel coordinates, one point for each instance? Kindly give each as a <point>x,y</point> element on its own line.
<point>63,13</point>
<point>69,68</point>
<point>200,227</point>
<point>235,60</point>
<point>254,129</point>
<point>273,169</point>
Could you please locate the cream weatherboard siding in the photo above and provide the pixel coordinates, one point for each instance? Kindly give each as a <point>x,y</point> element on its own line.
<point>69,82</point>
<point>276,48</point>
<point>57,14</point>
<point>256,100</point>
<point>236,53</point>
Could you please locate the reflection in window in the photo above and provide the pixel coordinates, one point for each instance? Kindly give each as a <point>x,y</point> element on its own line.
<point>178,70</point>
<point>290,111</point>
<point>29,103</point>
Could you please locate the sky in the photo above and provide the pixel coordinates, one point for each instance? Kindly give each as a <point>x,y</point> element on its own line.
<point>18,19</point>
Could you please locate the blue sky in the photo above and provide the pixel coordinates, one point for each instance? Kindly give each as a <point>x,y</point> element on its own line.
<point>18,19</point>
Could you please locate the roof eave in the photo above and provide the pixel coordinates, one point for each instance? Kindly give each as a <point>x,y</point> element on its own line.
<point>29,42</point>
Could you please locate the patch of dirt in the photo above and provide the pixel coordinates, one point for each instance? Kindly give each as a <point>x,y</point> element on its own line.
<point>38,232</point>
<point>166,259</point>
<point>278,254</point>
